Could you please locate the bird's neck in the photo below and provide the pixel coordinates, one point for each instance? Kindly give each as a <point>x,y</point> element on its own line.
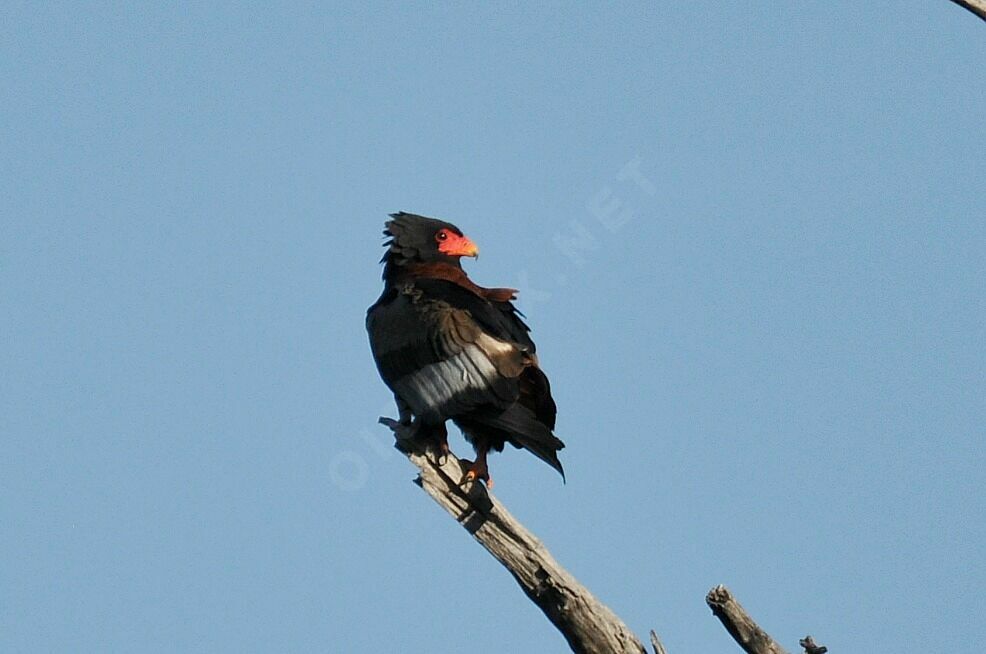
<point>450,273</point>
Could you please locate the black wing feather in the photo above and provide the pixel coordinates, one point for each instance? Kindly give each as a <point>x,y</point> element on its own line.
<point>448,353</point>
<point>499,319</point>
<point>438,358</point>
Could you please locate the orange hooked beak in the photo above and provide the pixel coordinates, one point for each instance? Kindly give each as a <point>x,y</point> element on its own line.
<point>458,246</point>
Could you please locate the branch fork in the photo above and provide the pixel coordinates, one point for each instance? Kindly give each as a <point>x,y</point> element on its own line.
<point>588,625</point>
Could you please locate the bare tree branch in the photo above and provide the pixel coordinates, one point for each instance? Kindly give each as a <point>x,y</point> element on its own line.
<point>977,7</point>
<point>585,622</point>
<point>656,643</point>
<point>739,624</point>
<point>810,647</point>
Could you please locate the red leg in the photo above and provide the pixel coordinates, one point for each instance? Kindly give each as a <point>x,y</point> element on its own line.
<point>479,470</point>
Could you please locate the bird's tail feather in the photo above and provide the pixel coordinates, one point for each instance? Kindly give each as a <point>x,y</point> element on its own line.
<point>525,430</point>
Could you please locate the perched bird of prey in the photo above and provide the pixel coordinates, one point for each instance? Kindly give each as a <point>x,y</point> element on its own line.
<point>450,349</point>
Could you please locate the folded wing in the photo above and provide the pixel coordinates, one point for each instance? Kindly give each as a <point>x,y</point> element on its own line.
<point>451,354</point>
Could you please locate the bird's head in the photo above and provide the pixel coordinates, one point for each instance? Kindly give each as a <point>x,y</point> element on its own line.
<point>419,240</point>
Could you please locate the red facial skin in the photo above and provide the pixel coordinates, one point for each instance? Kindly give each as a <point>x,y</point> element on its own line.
<point>454,245</point>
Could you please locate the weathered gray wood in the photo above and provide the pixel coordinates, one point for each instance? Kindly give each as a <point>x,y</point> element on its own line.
<point>977,7</point>
<point>585,622</point>
<point>811,647</point>
<point>656,643</point>
<point>739,624</point>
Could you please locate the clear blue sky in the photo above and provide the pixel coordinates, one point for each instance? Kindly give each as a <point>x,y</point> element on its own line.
<point>750,240</point>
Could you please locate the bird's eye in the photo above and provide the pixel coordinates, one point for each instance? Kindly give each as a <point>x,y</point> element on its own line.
<point>441,236</point>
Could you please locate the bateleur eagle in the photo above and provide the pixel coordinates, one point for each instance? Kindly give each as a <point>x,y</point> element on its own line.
<point>450,349</point>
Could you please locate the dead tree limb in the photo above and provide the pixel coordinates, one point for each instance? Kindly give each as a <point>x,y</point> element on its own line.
<point>656,643</point>
<point>585,622</point>
<point>977,7</point>
<point>811,647</point>
<point>739,624</point>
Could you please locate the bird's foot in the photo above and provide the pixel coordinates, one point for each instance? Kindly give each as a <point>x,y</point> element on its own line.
<point>439,449</point>
<point>436,440</point>
<point>442,449</point>
<point>477,471</point>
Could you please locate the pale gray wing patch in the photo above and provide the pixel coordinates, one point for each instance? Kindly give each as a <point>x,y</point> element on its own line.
<point>458,383</point>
